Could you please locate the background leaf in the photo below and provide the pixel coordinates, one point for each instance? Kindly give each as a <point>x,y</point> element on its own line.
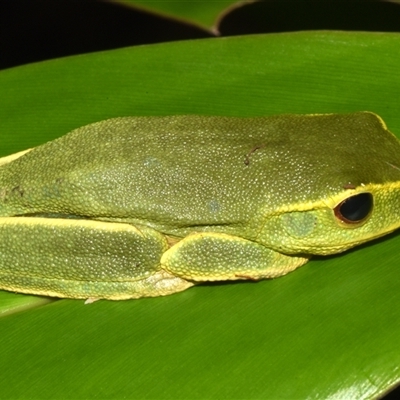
<point>329,329</point>
<point>203,13</point>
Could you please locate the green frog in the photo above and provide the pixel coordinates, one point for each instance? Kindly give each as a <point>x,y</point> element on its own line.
<point>135,207</point>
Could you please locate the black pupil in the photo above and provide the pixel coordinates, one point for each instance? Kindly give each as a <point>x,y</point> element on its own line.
<point>356,208</point>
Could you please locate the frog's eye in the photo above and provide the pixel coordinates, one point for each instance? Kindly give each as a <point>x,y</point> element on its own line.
<point>354,209</point>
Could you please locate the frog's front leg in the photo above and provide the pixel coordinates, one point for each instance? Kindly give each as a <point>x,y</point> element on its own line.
<point>79,258</point>
<point>218,256</point>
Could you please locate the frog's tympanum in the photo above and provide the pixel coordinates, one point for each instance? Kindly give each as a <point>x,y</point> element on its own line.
<point>148,206</point>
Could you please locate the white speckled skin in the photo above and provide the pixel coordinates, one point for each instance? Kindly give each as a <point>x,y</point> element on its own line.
<point>261,191</point>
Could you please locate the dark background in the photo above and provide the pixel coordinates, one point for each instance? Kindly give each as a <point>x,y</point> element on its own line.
<point>35,30</point>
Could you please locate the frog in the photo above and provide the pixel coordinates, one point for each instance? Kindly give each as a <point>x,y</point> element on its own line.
<point>147,206</point>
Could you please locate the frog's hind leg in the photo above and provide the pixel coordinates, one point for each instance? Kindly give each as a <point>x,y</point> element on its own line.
<point>218,256</point>
<point>83,259</point>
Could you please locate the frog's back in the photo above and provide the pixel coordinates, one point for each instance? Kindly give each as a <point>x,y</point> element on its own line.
<point>183,173</point>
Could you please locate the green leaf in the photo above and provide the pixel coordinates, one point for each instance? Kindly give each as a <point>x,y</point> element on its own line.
<point>328,330</point>
<point>202,13</point>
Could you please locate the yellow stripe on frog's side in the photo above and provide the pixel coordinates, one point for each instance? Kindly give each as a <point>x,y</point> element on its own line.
<point>333,201</point>
<point>12,157</point>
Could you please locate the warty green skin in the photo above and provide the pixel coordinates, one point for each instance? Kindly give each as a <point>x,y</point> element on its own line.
<point>255,196</point>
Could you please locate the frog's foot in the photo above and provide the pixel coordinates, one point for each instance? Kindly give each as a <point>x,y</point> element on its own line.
<point>91,300</point>
<point>218,256</point>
